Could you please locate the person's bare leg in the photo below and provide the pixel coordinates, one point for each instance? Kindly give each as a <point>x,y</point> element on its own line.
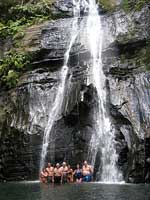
<point>80,180</point>
<point>53,179</point>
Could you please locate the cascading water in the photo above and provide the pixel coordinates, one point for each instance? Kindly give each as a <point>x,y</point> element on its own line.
<point>104,138</point>
<point>56,107</point>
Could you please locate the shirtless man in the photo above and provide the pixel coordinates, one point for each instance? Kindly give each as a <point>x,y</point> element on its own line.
<point>43,176</point>
<point>64,170</point>
<point>50,172</point>
<point>87,171</point>
<point>57,174</point>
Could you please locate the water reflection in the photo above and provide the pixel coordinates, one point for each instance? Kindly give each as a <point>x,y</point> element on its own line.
<point>91,191</point>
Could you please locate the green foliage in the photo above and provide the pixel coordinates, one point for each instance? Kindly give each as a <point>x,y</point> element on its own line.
<point>11,28</point>
<point>3,30</point>
<point>21,16</point>
<point>108,4</point>
<point>129,5</point>
<point>11,67</point>
<point>126,5</point>
<point>30,11</point>
<point>140,4</point>
<point>11,78</point>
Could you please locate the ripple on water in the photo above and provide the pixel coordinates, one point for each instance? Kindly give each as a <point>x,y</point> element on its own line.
<point>85,191</point>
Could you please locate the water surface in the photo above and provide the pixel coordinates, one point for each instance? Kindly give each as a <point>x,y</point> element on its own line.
<point>91,191</point>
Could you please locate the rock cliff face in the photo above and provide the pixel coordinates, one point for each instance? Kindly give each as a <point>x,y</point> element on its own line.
<point>126,65</point>
<point>24,110</point>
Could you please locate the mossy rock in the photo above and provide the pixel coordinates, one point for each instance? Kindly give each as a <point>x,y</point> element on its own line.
<point>108,4</point>
<point>140,59</point>
<point>30,43</point>
<point>5,110</point>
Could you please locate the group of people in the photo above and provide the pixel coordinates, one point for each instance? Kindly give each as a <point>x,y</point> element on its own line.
<point>65,174</point>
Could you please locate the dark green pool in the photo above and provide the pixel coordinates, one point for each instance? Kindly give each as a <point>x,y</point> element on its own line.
<point>92,191</point>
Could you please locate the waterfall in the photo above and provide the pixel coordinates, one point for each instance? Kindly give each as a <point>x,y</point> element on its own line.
<point>104,138</point>
<point>55,109</point>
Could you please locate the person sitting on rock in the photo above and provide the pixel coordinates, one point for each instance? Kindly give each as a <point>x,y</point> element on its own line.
<point>57,174</point>
<point>43,176</point>
<point>50,172</point>
<point>78,174</point>
<point>87,172</point>
<point>64,170</point>
<point>70,175</point>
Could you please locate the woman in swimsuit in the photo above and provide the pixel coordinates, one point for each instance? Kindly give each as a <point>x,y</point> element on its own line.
<point>78,174</point>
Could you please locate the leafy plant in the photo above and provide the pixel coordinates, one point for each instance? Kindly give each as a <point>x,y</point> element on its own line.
<point>133,4</point>
<point>3,30</point>
<point>11,78</point>
<point>126,5</point>
<point>11,67</point>
<point>30,11</point>
<point>11,28</point>
<point>21,16</point>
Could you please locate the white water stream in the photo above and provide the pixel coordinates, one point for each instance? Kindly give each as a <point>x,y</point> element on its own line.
<point>104,138</point>
<point>56,107</point>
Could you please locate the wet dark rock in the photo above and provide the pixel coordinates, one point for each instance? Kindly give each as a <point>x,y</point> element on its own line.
<point>126,65</point>
<point>5,45</point>
<point>63,7</point>
<point>24,110</point>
